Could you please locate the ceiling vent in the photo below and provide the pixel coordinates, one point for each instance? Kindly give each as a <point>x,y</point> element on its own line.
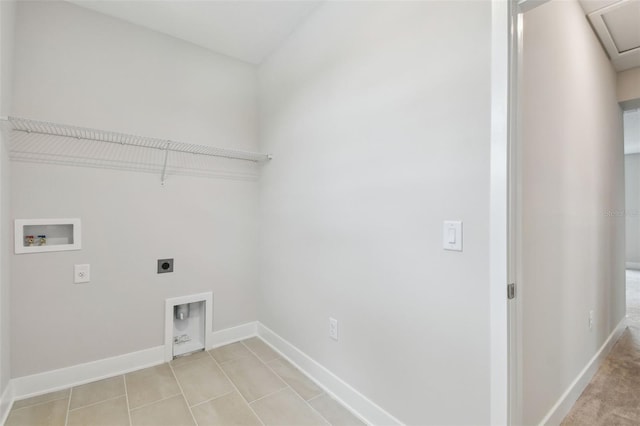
<point>618,27</point>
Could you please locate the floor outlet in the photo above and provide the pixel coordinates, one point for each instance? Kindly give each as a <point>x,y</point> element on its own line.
<point>333,328</point>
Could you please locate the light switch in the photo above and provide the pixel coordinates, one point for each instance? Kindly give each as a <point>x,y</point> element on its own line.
<point>81,273</point>
<point>452,235</point>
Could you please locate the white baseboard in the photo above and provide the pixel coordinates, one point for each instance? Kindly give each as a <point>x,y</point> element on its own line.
<point>6,401</point>
<point>232,334</point>
<point>359,404</point>
<point>51,381</point>
<point>571,395</point>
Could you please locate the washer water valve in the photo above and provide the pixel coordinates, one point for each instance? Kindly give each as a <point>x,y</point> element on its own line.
<point>182,311</point>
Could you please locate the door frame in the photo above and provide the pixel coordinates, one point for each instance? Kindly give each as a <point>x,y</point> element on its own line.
<point>501,19</point>
<point>505,210</point>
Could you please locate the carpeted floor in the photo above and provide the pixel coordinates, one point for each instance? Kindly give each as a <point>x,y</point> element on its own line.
<point>613,396</point>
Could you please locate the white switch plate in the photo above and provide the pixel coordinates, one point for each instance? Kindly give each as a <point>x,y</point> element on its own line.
<point>81,273</point>
<point>333,328</point>
<point>452,235</point>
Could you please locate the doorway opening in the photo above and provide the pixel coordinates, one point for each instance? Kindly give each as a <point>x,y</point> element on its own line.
<point>631,121</point>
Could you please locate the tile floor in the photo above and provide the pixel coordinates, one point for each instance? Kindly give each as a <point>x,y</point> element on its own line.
<point>613,395</point>
<point>244,383</point>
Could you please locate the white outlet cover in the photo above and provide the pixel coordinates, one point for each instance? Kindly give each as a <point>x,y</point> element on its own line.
<point>81,273</point>
<point>333,328</point>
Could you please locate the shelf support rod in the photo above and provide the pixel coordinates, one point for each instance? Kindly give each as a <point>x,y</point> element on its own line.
<point>164,167</point>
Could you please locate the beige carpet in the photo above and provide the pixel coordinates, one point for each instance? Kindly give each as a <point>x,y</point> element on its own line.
<point>613,396</point>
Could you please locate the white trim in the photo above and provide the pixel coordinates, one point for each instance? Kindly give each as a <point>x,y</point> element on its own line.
<point>515,250</point>
<point>6,402</point>
<point>360,405</point>
<point>63,378</point>
<point>575,389</point>
<point>499,361</point>
<point>50,381</point>
<point>207,298</point>
<point>233,334</point>
<point>527,5</point>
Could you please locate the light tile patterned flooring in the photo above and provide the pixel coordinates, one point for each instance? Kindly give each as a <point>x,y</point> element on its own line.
<point>244,383</point>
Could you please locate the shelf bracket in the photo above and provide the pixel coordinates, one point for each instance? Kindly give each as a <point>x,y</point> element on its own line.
<point>164,167</point>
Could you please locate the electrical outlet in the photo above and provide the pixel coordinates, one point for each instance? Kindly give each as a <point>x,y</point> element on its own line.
<point>333,328</point>
<point>591,319</point>
<point>165,265</point>
<point>81,273</point>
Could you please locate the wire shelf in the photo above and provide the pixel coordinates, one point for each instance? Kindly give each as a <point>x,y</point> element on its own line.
<point>52,143</point>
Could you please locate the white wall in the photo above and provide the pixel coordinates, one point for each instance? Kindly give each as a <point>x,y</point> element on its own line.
<point>80,67</point>
<point>7,18</point>
<point>573,196</point>
<point>377,114</point>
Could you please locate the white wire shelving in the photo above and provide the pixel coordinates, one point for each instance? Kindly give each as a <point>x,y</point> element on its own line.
<point>54,143</point>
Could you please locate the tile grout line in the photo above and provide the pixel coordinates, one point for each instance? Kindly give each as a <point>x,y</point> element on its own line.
<point>66,419</point>
<point>212,399</point>
<point>269,394</point>
<point>268,364</point>
<point>155,402</point>
<point>286,385</point>
<point>97,402</point>
<point>317,396</point>
<point>236,388</point>
<point>294,391</point>
<point>184,397</point>
<point>181,390</point>
<point>126,394</point>
<point>258,356</point>
<point>289,386</point>
<point>39,403</point>
<point>186,359</point>
<point>252,352</point>
<point>316,411</point>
